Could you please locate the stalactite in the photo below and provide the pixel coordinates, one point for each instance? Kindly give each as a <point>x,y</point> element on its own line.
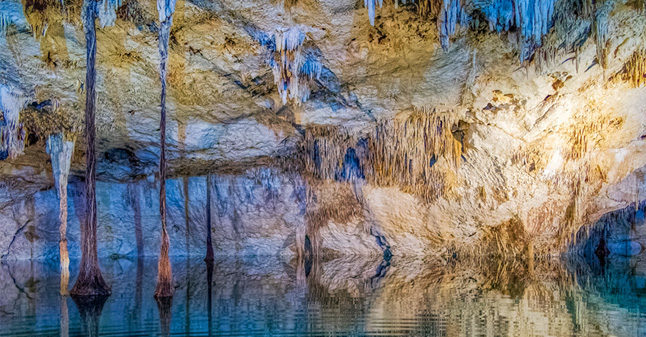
<point>287,63</point>
<point>372,5</point>
<point>634,71</point>
<point>60,151</point>
<point>400,152</point>
<point>107,12</point>
<point>600,24</point>
<point>164,288</point>
<point>429,8</point>
<point>90,281</point>
<point>425,8</point>
<point>5,22</point>
<point>12,132</point>
<point>533,20</point>
<point>451,15</point>
<point>403,152</point>
<point>323,150</point>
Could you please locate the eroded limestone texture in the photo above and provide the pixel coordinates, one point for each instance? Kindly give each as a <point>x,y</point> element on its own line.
<point>533,118</point>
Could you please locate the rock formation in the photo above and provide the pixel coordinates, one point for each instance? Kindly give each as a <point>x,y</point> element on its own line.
<point>444,127</point>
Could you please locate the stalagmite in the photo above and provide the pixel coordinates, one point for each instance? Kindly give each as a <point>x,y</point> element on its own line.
<point>12,132</point>
<point>60,151</point>
<point>164,288</point>
<point>90,281</point>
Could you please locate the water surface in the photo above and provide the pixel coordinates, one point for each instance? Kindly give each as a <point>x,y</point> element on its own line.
<point>268,296</point>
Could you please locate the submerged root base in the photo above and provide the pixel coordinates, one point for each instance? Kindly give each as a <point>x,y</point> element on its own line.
<point>90,286</point>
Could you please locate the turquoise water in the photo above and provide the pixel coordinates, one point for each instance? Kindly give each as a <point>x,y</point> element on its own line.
<point>342,297</point>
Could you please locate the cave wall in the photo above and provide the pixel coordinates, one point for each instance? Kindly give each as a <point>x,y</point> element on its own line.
<point>255,213</point>
<point>548,144</point>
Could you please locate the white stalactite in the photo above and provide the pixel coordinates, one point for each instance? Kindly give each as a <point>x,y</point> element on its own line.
<point>287,64</point>
<point>451,15</point>
<point>12,133</point>
<point>601,21</point>
<point>533,20</point>
<point>60,151</point>
<point>107,12</point>
<point>371,5</point>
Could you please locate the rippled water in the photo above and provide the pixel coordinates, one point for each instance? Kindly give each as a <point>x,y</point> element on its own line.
<point>349,297</point>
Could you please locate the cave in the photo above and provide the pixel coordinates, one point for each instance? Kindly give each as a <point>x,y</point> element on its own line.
<point>339,168</point>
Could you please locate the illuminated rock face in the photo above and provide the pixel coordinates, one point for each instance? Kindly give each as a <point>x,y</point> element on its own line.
<point>546,146</point>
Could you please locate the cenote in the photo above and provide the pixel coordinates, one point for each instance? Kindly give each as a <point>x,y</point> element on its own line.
<point>323,168</point>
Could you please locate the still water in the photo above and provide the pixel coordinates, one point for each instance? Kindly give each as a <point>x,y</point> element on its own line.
<point>347,296</point>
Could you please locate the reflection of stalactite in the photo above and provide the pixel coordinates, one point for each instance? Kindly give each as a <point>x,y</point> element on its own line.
<point>326,201</point>
<point>60,151</point>
<point>139,278</point>
<point>187,307</point>
<point>164,305</point>
<point>64,319</point>
<point>5,22</point>
<point>209,296</point>
<point>90,309</point>
<point>12,132</point>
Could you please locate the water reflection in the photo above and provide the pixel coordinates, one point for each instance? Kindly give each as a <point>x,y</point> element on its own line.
<point>90,308</point>
<point>345,296</point>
